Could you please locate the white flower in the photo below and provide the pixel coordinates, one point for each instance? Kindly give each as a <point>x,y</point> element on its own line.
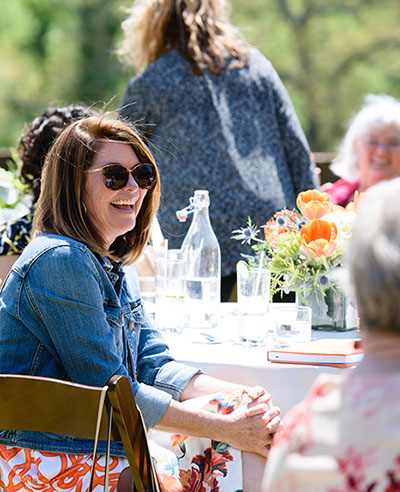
<point>344,222</point>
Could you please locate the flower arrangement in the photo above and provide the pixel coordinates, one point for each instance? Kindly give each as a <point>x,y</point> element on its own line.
<point>302,248</point>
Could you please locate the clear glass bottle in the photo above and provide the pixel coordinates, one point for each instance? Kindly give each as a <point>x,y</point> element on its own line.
<point>202,255</point>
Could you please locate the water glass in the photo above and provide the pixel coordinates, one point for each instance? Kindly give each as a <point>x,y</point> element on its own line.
<point>290,324</point>
<point>169,278</point>
<point>253,288</point>
<point>147,289</point>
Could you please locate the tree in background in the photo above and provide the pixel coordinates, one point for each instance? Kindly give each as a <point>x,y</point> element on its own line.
<point>57,52</point>
<point>329,54</point>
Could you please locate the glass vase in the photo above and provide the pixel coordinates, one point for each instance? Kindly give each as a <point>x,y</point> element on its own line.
<point>331,309</point>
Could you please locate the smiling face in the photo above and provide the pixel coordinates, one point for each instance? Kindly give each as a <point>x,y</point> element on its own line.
<point>378,155</point>
<point>113,213</point>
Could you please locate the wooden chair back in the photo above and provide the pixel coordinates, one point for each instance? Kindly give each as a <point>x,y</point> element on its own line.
<point>29,403</point>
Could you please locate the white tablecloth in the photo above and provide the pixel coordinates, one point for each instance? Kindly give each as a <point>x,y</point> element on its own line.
<point>231,361</point>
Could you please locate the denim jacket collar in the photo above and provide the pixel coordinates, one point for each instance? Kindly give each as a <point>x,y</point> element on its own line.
<point>113,270</point>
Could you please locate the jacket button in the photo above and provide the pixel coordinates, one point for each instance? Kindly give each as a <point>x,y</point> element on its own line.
<point>122,318</point>
<point>131,325</point>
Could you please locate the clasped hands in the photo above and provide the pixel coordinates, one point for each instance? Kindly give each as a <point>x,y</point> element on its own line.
<point>254,423</point>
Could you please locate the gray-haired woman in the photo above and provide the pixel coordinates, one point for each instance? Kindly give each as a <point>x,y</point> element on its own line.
<point>370,150</point>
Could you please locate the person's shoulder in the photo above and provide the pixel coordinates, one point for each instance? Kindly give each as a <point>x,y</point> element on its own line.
<point>171,62</point>
<point>258,60</point>
<point>47,241</point>
<point>54,248</point>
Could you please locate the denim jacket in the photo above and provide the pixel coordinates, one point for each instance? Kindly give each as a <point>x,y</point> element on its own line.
<point>69,314</point>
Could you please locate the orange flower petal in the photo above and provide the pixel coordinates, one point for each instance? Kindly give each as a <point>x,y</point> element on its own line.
<point>313,204</point>
<point>319,238</point>
<point>272,228</point>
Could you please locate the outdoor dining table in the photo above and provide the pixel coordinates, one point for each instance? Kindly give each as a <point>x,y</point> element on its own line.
<point>227,359</point>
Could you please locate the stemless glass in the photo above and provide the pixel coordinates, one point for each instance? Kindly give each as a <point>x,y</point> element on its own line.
<point>253,287</point>
<point>169,277</point>
<point>290,324</point>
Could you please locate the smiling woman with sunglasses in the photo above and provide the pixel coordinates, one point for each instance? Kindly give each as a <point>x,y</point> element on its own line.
<point>67,312</point>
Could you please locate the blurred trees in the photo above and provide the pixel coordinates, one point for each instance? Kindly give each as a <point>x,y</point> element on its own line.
<point>57,52</point>
<point>329,54</point>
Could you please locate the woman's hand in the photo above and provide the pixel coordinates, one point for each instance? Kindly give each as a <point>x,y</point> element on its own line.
<point>249,428</point>
<point>260,394</point>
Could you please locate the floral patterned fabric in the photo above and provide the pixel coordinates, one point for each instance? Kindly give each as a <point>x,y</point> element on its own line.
<point>343,437</point>
<point>32,471</point>
<point>183,464</point>
<point>204,465</point>
<point>15,235</point>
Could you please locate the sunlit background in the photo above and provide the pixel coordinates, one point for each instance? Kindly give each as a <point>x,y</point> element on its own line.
<point>329,54</point>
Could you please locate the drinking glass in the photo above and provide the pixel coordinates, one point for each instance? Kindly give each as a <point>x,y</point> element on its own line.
<point>290,324</point>
<point>253,287</point>
<point>169,277</point>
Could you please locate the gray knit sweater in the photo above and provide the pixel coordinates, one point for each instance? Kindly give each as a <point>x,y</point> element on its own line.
<point>235,134</point>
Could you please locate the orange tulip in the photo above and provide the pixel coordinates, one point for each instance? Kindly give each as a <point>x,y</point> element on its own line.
<point>313,204</point>
<point>319,238</point>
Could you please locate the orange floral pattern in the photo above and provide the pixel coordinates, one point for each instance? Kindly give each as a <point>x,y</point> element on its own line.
<point>204,465</point>
<point>36,471</point>
<point>183,463</point>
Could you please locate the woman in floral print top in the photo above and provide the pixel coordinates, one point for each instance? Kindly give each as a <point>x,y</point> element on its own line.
<point>345,435</point>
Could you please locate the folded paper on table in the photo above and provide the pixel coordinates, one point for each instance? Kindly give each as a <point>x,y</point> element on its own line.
<point>324,352</point>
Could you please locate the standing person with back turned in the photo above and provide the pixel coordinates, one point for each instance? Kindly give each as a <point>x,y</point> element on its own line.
<point>217,117</point>
<point>67,312</point>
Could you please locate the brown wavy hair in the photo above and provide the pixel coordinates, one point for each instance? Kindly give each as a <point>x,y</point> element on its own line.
<point>37,139</point>
<point>60,209</point>
<point>199,29</point>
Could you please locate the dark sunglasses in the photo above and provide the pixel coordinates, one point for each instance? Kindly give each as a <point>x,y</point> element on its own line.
<point>116,176</point>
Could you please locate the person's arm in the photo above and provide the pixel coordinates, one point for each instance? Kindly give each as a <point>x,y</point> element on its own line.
<point>297,151</point>
<point>249,428</point>
<point>201,385</point>
<point>63,289</point>
<point>6,262</point>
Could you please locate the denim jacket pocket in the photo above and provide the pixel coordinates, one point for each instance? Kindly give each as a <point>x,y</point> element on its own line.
<point>115,320</point>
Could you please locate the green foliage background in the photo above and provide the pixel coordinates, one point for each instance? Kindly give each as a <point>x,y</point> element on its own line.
<point>329,54</point>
